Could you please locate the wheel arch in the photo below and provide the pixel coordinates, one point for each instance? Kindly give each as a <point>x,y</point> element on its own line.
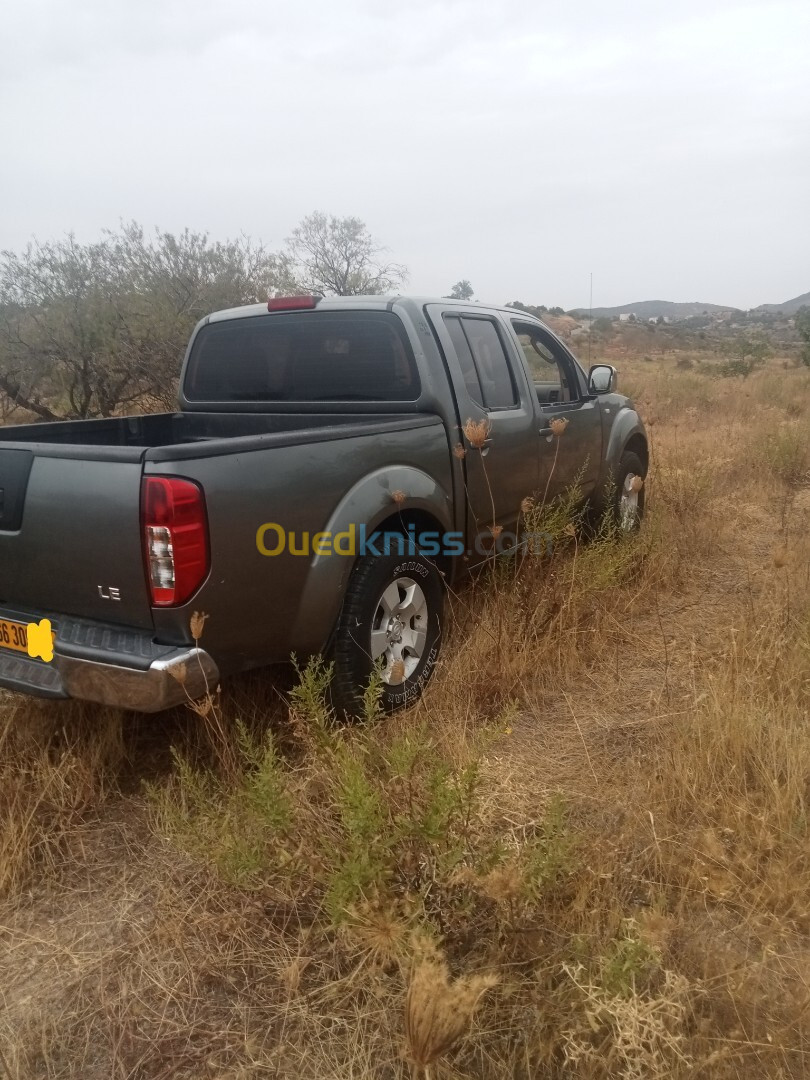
<point>389,499</point>
<point>637,444</point>
<point>417,520</point>
<point>626,433</point>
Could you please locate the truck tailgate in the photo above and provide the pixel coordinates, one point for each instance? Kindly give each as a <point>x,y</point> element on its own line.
<point>70,537</point>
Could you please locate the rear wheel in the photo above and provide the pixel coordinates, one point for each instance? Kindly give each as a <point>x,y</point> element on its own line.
<point>392,621</point>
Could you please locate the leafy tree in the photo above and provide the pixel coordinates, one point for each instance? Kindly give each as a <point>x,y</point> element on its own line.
<point>86,329</point>
<point>462,290</point>
<point>802,324</point>
<point>602,325</point>
<point>745,354</point>
<point>556,311</point>
<point>750,349</point>
<point>328,254</point>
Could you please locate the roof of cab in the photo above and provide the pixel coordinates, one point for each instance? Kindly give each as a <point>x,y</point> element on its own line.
<point>348,303</point>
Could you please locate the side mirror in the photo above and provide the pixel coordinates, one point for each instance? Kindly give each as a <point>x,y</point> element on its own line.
<point>602,379</point>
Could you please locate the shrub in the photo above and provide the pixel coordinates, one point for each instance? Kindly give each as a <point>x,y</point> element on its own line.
<point>359,819</point>
<point>785,453</point>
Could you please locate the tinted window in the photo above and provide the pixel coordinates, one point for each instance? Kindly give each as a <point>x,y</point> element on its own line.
<point>491,363</point>
<point>328,356</point>
<point>454,329</point>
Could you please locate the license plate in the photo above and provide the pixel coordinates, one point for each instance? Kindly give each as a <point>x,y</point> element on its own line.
<point>13,635</point>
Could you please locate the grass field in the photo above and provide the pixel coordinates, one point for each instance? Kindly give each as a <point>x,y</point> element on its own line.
<point>585,853</point>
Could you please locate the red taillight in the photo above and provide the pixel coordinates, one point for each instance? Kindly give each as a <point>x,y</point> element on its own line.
<point>175,538</point>
<point>292,303</point>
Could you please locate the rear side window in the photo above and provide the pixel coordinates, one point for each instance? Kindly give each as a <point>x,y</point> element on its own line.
<point>491,362</point>
<point>312,356</point>
<point>481,354</point>
<point>457,336</point>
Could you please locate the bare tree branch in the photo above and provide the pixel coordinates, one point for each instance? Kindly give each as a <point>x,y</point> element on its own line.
<point>14,393</point>
<point>328,254</point>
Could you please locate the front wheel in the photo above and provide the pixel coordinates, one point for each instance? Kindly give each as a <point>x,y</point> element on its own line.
<point>391,621</point>
<point>629,504</point>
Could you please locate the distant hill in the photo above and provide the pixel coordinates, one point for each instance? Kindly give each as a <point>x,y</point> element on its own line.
<point>651,309</point>
<point>790,307</point>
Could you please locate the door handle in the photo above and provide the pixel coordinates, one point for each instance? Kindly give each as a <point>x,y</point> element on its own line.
<point>545,431</point>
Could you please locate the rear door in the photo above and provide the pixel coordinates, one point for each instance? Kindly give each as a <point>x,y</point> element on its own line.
<point>494,397</point>
<point>574,457</point>
<point>70,536</point>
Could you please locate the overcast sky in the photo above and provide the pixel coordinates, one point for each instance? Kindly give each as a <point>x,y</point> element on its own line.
<point>522,145</point>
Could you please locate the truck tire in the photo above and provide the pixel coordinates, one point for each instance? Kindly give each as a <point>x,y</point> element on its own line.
<point>391,617</point>
<point>629,498</point>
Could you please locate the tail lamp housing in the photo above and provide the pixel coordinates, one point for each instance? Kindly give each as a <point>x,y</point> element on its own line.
<point>175,538</point>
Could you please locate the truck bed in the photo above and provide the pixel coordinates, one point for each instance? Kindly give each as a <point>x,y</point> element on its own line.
<point>70,494</point>
<point>172,436</point>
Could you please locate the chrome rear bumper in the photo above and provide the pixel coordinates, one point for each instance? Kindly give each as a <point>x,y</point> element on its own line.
<point>177,676</point>
<point>181,676</point>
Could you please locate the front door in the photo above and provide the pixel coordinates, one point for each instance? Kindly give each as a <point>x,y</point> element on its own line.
<point>572,458</point>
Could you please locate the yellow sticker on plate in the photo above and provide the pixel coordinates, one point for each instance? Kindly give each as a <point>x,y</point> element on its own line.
<point>33,639</point>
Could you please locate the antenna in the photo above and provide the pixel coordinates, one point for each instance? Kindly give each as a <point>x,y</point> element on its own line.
<point>590,321</point>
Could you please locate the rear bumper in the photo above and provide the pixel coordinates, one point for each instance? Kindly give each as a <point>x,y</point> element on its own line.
<point>137,675</point>
<point>183,675</point>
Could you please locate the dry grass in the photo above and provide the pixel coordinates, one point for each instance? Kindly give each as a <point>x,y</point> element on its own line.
<point>51,774</point>
<point>598,814</point>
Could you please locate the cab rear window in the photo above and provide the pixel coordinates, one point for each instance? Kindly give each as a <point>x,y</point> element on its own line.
<point>303,356</point>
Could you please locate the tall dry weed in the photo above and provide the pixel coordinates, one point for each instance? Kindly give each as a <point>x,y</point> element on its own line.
<point>55,768</point>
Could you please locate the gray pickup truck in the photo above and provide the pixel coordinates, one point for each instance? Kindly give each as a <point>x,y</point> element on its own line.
<point>313,494</point>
